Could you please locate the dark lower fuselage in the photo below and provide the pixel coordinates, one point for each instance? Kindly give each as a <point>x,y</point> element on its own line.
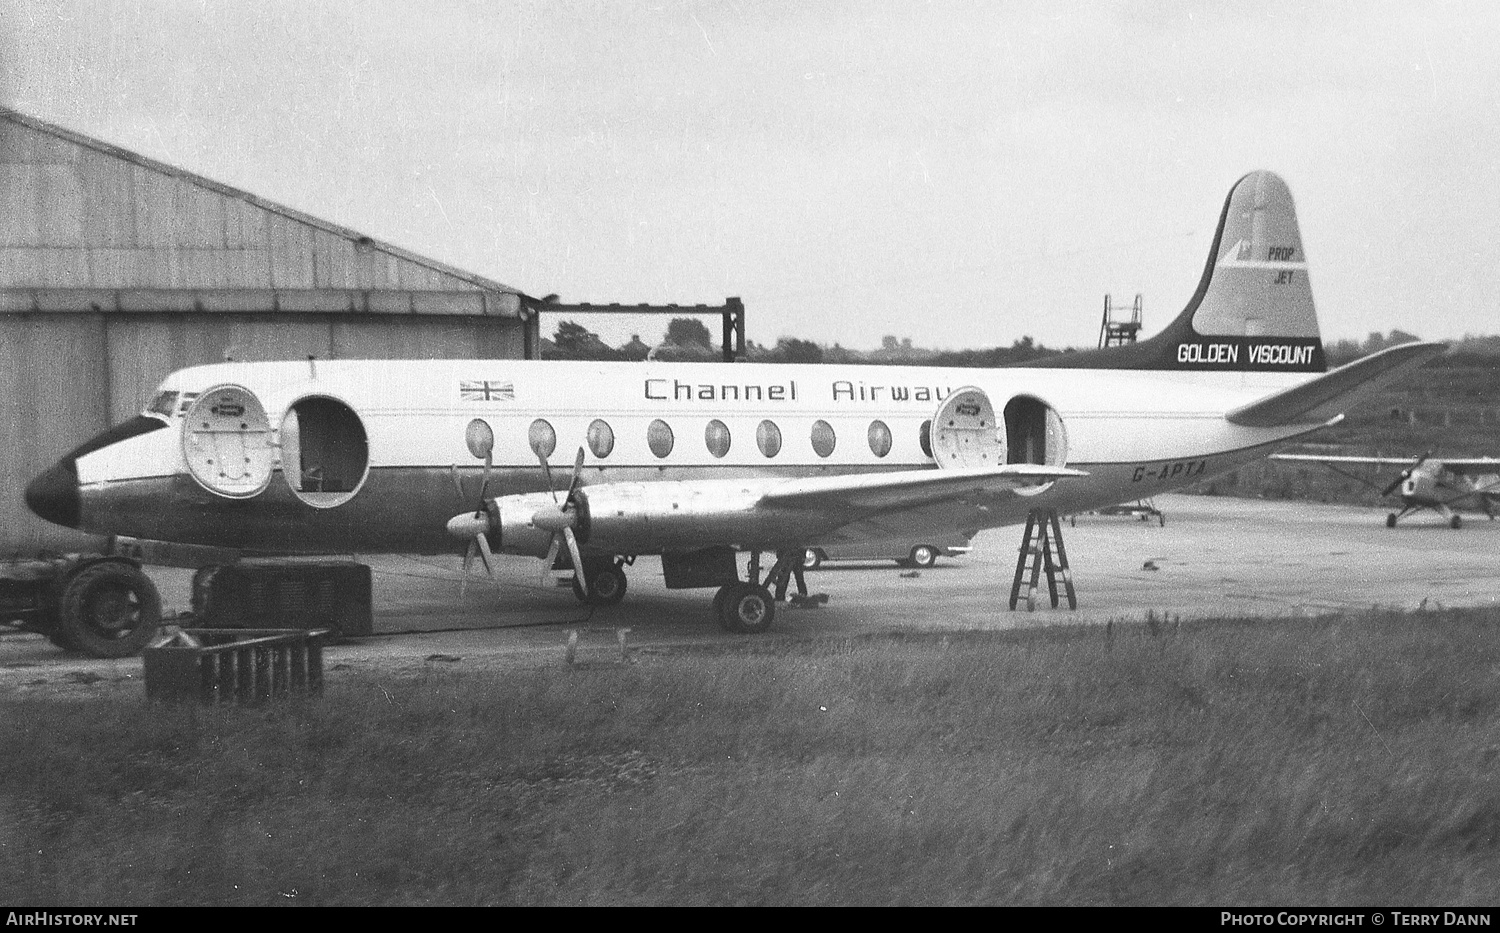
<point>404,509</point>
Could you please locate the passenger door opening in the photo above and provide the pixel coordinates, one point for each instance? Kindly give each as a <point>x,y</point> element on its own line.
<point>1034,433</point>
<point>325,453</point>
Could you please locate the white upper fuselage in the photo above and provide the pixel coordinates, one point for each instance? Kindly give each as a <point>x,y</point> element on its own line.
<point>1135,433</point>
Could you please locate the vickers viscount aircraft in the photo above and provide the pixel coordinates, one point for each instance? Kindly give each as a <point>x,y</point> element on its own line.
<point>1441,485</point>
<point>699,462</point>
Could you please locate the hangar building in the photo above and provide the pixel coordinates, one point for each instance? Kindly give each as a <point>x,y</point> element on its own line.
<point>116,269</point>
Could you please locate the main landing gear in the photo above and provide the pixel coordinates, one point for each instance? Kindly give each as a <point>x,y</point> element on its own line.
<point>1454,519</point>
<point>605,578</point>
<point>748,607</point>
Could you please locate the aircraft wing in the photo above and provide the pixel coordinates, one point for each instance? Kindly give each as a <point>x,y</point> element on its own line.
<point>1471,465</point>
<point>1466,465</point>
<point>1402,462</point>
<point>870,492</point>
<point>1333,393</point>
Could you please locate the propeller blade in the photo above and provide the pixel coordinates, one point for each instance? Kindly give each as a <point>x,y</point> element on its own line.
<point>486,556</point>
<point>484,484</point>
<point>550,559</point>
<point>1406,473</point>
<point>547,471</point>
<point>474,529</point>
<point>463,583</point>
<point>457,483</point>
<point>577,476</point>
<point>577,557</point>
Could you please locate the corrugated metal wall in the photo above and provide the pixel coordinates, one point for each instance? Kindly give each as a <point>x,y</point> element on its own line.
<point>116,270</point>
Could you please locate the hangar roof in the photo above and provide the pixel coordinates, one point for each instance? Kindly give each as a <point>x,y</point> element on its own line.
<point>88,226</point>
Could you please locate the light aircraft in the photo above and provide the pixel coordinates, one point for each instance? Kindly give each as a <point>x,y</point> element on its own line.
<point>699,462</point>
<point>1424,483</point>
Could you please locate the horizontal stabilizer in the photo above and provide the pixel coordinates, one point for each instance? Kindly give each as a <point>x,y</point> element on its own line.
<point>1465,465</point>
<point>1331,394</point>
<point>908,488</point>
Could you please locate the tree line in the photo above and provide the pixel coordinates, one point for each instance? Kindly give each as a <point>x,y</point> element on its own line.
<point>689,339</point>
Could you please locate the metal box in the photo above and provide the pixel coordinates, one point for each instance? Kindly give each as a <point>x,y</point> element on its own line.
<point>282,594</point>
<point>242,666</point>
<point>714,566</point>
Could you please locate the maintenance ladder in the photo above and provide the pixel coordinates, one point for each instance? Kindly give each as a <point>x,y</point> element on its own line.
<point>1116,332</point>
<point>1042,550</point>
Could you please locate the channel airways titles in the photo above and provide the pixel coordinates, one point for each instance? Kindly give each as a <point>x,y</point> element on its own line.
<point>843,390</point>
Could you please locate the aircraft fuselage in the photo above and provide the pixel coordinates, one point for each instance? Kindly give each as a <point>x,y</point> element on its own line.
<point>361,456</point>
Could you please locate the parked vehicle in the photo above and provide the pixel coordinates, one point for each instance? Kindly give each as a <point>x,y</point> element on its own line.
<point>904,551</point>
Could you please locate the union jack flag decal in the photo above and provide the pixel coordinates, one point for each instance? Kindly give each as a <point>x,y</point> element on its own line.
<point>487,391</point>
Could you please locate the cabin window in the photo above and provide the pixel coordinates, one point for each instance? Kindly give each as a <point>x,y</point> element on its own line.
<point>823,438</point>
<point>480,438</point>
<point>924,437</point>
<point>601,438</point>
<point>659,437</point>
<point>542,438</point>
<point>165,403</point>
<point>768,438</point>
<point>716,436</point>
<point>880,438</point>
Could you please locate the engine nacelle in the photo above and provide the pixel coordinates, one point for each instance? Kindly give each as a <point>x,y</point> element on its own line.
<point>512,526</point>
<point>647,518</point>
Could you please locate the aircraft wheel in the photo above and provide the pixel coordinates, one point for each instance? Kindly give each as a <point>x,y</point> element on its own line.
<point>923,555</point>
<point>1390,520</point>
<point>812,559</point>
<point>745,608</point>
<point>109,610</point>
<point>720,598</point>
<point>1455,522</point>
<point>606,582</point>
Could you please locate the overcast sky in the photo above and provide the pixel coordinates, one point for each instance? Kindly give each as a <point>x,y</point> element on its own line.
<point>963,174</point>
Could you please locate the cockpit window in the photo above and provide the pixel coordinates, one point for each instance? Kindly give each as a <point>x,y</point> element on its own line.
<point>165,404</point>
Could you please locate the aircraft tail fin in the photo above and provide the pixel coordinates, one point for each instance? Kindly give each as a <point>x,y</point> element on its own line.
<point>1330,395</point>
<point>1253,309</point>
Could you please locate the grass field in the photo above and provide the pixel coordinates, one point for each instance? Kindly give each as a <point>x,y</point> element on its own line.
<point>1334,761</point>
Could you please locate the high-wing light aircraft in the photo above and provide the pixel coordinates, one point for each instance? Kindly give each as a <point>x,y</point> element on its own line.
<point>698,462</point>
<point>1441,485</point>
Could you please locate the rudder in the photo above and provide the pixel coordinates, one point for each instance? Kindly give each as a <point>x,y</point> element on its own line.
<point>1253,309</point>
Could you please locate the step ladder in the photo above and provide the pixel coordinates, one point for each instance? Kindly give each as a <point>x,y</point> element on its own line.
<point>1119,331</point>
<point>1042,550</point>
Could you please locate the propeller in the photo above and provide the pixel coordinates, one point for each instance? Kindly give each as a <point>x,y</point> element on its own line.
<point>1405,474</point>
<point>561,521</point>
<point>475,528</point>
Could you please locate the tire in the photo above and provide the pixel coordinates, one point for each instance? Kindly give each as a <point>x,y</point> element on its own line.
<point>720,598</point>
<point>109,610</point>
<point>1390,520</point>
<point>606,585</point>
<point>923,555</point>
<point>812,559</point>
<point>747,609</point>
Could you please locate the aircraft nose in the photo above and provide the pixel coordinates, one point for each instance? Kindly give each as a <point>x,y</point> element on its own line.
<point>54,494</point>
